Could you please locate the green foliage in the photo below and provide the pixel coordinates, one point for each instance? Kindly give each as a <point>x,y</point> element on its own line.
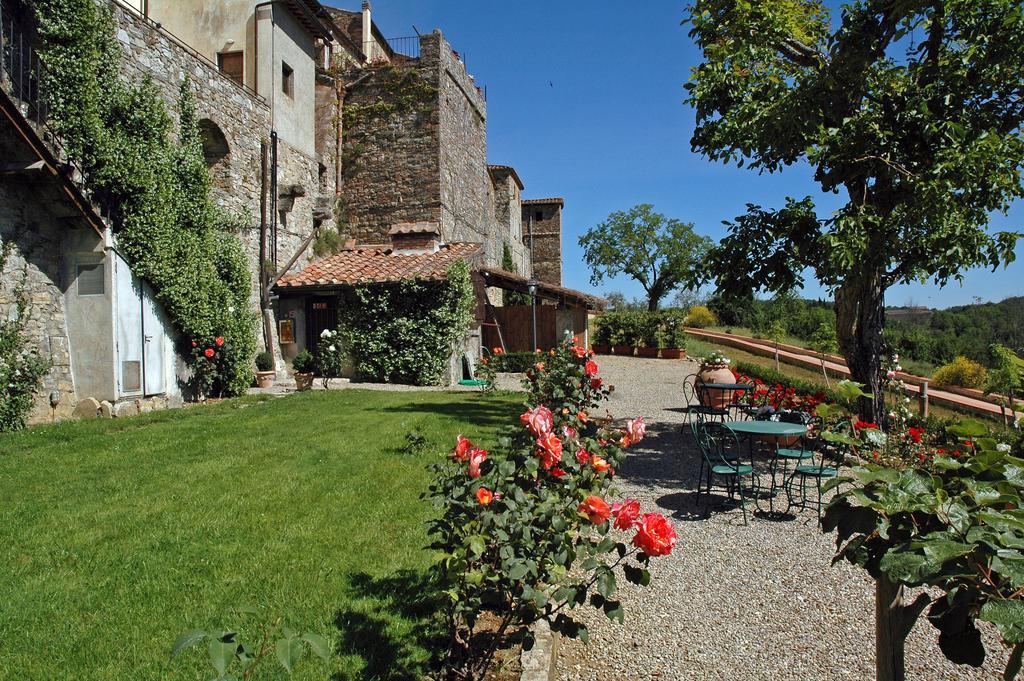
<point>641,327</point>
<point>405,332</point>
<point>963,372</point>
<point>157,189</point>
<point>264,361</point>
<point>957,526</point>
<point>672,330</point>
<point>906,130</point>
<point>514,362</point>
<point>659,252</point>
<point>700,317</point>
<point>403,90</point>
<point>330,356</point>
<point>524,529</point>
<point>507,264</point>
<point>304,363</point>
<point>227,652</point>
<point>823,340</point>
<point>21,366</point>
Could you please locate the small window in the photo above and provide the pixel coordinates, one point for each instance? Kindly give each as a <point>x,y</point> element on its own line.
<point>287,80</point>
<point>91,280</point>
<point>538,216</point>
<point>231,65</point>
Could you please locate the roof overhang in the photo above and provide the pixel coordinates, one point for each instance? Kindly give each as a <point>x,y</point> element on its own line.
<point>510,281</point>
<point>313,16</point>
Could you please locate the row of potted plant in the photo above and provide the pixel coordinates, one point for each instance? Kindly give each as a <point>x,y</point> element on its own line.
<point>641,332</point>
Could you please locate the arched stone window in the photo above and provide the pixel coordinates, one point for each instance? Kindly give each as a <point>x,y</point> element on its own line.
<point>217,153</point>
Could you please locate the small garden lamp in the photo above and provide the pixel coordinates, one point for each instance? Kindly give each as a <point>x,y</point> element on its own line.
<point>531,286</point>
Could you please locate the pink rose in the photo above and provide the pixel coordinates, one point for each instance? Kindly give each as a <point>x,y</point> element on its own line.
<point>462,448</point>
<point>596,509</point>
<point>539,420</point>
<point>583,456</point>
<point>655,535</point>
<point>570,432</point>
<point>549,449</point>
<point>626,513</point>
<point>636,429</point>
<point>476,458</point>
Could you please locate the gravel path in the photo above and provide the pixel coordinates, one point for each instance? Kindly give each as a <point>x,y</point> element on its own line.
<point>732,602</point>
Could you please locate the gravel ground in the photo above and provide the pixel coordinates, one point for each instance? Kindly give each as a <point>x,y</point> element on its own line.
<point>732,602</point>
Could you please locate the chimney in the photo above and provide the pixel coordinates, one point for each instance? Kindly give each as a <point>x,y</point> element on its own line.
<point>415,238</point>
<point>367,32</point>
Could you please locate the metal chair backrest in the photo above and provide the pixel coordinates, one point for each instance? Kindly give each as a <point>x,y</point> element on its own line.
<point>718,444</point>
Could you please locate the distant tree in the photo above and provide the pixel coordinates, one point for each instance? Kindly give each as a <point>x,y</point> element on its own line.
<point>777,334</point>
<point>685,298</point>
<point>1005,378</point>
<point>823,342</point>
<point>659,252</point>
<point>912,110</point>
<point>617,302</point>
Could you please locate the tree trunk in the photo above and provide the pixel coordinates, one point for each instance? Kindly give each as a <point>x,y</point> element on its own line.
<point>860,321</point>
<point>776,355</point>
<point>894,618</point>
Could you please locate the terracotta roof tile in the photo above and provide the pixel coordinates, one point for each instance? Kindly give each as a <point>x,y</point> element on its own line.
<point>539,202</point>
<point>364,266</point>
<point>415,228</point>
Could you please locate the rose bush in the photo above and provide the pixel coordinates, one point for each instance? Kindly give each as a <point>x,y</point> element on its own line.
<point>527,530</point>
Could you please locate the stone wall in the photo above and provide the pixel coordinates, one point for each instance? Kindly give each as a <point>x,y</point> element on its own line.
<point>545,221</point>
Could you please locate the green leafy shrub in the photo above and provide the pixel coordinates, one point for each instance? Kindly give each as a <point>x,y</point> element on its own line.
<point>264,361</point>
<point>21,366</point>
<point>330,357</point>
<point>304,363</point>
<point>525,530</point>
<point>513,362</point>
<point>672,333</point>
<point>603,329</point>
<point>962,372</point>
<point>700,317</point>
<point>154,184</point>
<point>648,329</point>
<point>405,332</point>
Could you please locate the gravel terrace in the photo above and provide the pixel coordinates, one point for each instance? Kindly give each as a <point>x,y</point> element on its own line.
<point>732,602</point>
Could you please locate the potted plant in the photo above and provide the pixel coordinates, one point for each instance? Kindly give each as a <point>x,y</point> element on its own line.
<point>602,344</point>
<point>648,324</point>
<point>265,370</point>
<point>620,335</point>
<point>304,364</point>
<point>715,369</point>
<point>673,339</point>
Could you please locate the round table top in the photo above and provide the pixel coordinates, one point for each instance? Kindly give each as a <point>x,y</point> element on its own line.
<point>728,386</point>
<point>766,427</point>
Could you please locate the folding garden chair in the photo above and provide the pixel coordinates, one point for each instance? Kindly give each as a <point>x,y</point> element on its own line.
<point>720,451</point>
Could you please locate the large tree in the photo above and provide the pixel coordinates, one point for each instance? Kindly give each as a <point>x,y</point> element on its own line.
<point>659,252</point>
<point>910,109</point>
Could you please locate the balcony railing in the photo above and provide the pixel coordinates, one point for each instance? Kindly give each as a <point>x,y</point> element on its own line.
<point>21,70</point>
<point>408,46</point>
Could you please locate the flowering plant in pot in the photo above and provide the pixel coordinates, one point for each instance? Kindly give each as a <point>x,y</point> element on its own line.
<point>265,370</point>
<point>648,327</point>
<point>304,364</point>
<point>526,530</point>
<point>715,369</point>
<point>602,344</point>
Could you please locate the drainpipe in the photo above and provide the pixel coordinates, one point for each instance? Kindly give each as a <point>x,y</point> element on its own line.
<point>367,32</point>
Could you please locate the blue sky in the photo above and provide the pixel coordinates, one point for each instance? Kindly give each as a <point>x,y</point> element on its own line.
<point>585,100</point>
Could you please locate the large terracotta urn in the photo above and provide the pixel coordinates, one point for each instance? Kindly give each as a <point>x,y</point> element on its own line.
<point>717,373</point>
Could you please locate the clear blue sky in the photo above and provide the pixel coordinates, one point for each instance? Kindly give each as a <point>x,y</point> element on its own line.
<point>585,100</point>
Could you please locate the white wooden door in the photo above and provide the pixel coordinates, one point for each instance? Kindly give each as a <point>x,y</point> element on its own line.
<point>155,341</point>
<point>130,359</point>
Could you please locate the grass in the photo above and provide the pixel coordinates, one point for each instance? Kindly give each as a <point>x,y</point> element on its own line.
<point>116,536</point>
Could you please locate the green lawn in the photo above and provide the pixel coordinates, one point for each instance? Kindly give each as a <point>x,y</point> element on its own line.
<point>116,536</point>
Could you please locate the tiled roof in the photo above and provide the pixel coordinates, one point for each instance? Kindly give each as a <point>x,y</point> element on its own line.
<point>539,202</point>
<point>510,281</point>
<point>415,228</point>
<point>365,266</point>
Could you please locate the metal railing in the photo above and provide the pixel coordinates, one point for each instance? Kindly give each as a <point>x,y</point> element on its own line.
<point>21,70</point>
<point>408,46</point>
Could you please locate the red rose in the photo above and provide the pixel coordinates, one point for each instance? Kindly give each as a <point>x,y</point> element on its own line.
<point>209,353</point>
<point>580,352</point>
<point>582,416</point>
<point>599,464</point>
<point>655,535</point>
<point>539,420</point>
<point>595,383</point>
<point>484,496</point>
<point>583,456</point>
<point>590,367</point>
<point>626,513</point>
<point>194,344</point>
<point>557,472</point>
<point>476,457</point>
<point>219,340</point>
<point>549,449</point>
<point>462,448</point>
<point>596,509</point>
<point>916,434</point>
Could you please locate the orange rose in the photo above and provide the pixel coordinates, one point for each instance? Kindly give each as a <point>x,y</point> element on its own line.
<point>484,496</point>
<point>590,367</point>
<point>582,416</point>
<point>655,535</point>
<point>462,448</point>
<point>596,509</point>
<point>626,513</point>
<point>600,465</point>
<point>549,449</point>
<point>219,340</point>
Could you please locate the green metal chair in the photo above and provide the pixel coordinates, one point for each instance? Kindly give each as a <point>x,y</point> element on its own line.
<point>720,452</point>
<point>799,453</point>
<point>819,469</point>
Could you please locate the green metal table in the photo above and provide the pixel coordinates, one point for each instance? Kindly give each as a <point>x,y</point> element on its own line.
<point>753,430</point>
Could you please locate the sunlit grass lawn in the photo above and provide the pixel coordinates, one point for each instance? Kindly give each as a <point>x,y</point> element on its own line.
<point>116,536</point>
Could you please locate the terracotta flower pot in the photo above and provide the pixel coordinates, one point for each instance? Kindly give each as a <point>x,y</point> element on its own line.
<point>672,353</point>
<point>303,382</point>
<point>623,350</point>
<point>717,373</point>
<point>265,379</point>
<point>601,349</point>
<point>647,352</point>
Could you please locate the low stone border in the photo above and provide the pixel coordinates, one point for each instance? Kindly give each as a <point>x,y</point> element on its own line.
<point>538,663</point>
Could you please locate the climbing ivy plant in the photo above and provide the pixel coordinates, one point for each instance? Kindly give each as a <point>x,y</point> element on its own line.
<point>155,188</point>
<point>405,332</point>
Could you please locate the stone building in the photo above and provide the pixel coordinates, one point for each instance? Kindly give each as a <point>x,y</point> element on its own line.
<point>542,219</point>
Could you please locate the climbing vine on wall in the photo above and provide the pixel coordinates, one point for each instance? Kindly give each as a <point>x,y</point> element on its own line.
<point>156,189</point>
<point>402,90</point>
<point>405,332</point>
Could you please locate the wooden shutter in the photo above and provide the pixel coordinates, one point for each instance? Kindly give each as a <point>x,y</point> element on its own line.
<point>231,64</point>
